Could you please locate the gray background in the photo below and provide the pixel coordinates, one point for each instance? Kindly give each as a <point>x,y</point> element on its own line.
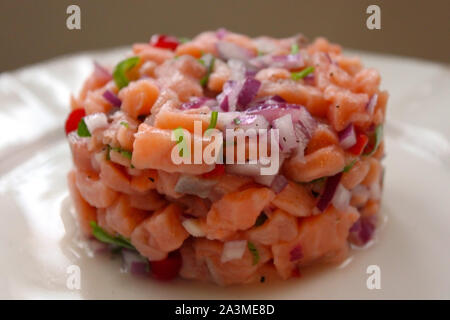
<point>33,30</point>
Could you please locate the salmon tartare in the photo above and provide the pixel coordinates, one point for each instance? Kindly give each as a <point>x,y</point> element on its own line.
<point>227,158</point>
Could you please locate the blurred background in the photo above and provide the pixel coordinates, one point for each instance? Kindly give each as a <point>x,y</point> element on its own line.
<point>33,30</point>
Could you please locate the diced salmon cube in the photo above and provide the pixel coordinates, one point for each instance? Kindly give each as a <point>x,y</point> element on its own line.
<point>166,229</point>
<point>85,212</point>
<point>355,175</point>
<point>123,218</point>
<point>322,163</point>
<point>138,97</point>
<point>153,148</point>
<point>323,236</point>
<point>280,227</point>
<point>93,190</point>
<point>145,181</point>
<point>149,201</point>
<point>233,271</point>
<point>239,210</point>
<point>115,177</point>
<point>295,200</point>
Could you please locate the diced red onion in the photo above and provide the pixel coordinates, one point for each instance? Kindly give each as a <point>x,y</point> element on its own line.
<point>233,250</point>
<point>286,131</point>
<point>362,231</point>
<point>288,61</point>
<point>272,111</point>
<point>112,98</point>
<point>329,191</point>
<point>228,98</point>
<point>249,121</point>
<point>347,137</point>
<point>139,268</point>
<point>98,247</point>
<point>229,50</point>
<point>309,79</point>
<point>102,73</point>
<point>134,263</point>
<point>238,69</point>
<point>370,107</point>
<point>279,183</point>
<point>193,227</point>
<point>96,121</point>
<point>221,33</point>
<point>199,187</point>
<point>341,198</point>
<point>197,102</point>
<point>248,92</point>
<point>296,253</point>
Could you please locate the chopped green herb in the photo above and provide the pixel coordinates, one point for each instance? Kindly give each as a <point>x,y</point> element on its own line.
<point>122,67</point>
<point>108,151</point>
<point>205,79</point>
<point>253,251</point>
<point>378,137</point>
<point>262,279</point>
<point>125,124</point>
<point>294,48</point>
<point>322,179</point>
<point>183,40</point>
<point>301,74</point>
<point>105,237</point>
<point>349,166</point>
<point>261,219</point>
<point>213,121</point>
<point>127,154</point>
<point>83,130</point>
<point>260,53</point>
<point>237,121</point>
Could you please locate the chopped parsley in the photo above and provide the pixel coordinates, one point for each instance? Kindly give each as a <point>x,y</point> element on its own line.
<point>183,40</point>
<point>179,136</point>
<point>105,237</point>
<point>213,121</point>
<point>294,48</point>
<point>349,166</point>
<point>237,121</point>
<point>124,123</point>
<point>119,74</point>
<point>205,79</point>
<point>83,130</point>
<point>127,154</point>
<point>251,247</point>
<point>301,74</point>
<point>378,137</point>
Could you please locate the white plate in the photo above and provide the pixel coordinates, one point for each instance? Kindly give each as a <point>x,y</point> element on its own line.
<point>37,242</point>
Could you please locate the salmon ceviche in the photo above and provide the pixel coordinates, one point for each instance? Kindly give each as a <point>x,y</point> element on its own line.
<point>136,129</point>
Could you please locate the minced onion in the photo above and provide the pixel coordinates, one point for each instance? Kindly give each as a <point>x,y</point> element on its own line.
<point>112,98</point>
<point>193,227</point>
<point>286,131</point>
<point>370,107</point>
<point>329,191</point>
<point>341,198</point>
<point>229,50</point>
<point>279,183</point>
<point>96,121</point>
<point>233,250</point>
<point>134,263</point>
<point>347,137</point>
<point>199,187</point>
